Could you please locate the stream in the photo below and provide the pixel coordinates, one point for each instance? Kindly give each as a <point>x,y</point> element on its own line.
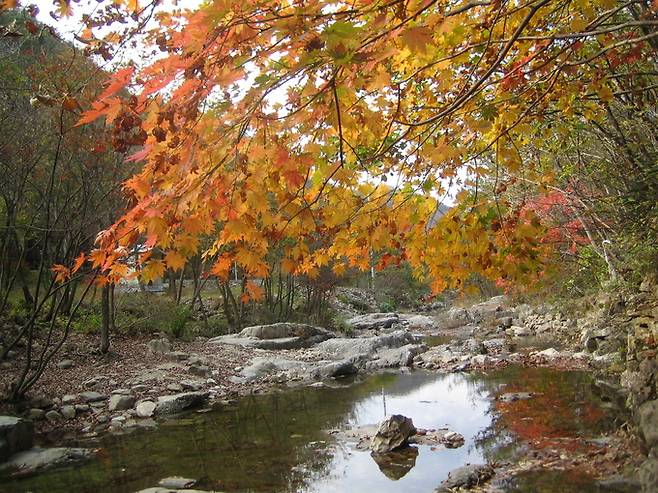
<point>285,441</point>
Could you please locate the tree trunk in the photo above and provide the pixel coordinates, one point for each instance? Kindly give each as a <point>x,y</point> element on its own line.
<point>105,323</point>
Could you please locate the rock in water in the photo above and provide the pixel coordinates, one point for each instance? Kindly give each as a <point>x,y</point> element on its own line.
<point>466,477</point>
<point>392,434</point>
<point>172,404</point>
<point>16,434</point>
<point>177,483</point>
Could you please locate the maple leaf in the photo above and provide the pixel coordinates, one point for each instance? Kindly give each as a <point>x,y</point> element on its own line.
<point>116,82</point>
<point>222,267</point>
<point>80,259</point>
<point>154,270</point>
<point>417,38</point>
<point>174,260</point>
<point>62,273</point>
<point>253,292</point>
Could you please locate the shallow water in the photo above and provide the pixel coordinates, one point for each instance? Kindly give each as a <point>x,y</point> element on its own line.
<point>281,442</point>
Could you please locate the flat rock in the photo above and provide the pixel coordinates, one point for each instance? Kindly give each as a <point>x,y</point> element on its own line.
<point>177,482</point>
<point>414,321</point>
<point>282,335</point>
<point>373,321</point>
<point>335,369</point>
<point>362,348</point>
<point>43,458</point>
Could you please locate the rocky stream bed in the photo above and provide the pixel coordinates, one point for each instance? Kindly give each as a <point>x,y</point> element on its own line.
<point>503,398</point>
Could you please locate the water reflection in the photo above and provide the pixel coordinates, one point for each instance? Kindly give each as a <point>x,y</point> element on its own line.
<point>279,442</point>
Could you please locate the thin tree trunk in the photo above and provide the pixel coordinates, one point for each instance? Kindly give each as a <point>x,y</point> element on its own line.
<point>105,322</point>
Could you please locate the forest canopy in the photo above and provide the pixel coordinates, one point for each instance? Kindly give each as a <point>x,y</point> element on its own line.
<point>328,134</point>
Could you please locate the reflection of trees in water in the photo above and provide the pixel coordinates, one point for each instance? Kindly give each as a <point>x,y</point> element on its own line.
<point>565,404</point>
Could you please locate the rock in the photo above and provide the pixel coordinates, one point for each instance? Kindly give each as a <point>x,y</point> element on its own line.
<point>647,415</point>
<point>175,387</point>
<point>648,475</point>
<point>373,321</point>
<point>284,335</point>
<point>550,353</point>
<point>452,439</point>
<point>517,331</point>
<point>177,356</point>
<point>260,367</point>
<point>200,370</point>
<point>177,482</point>
<point>91,396</point>
<point>53,416</point>
<point>466,477</point>
<point>43,458</point>
<point>82,408</point>
<point>67,411</point>
<point>65,364</point>
<point>396,357</point>
<point>16,434</point>
<point>173,404</point>
<point>117,421</point>
<point>482,360</point>
<point>120,402</point>
<point>191,384</point>
<point>140,388</point>
<point>121,391</point>
<point>392,433</point>
<point>36,414</point>
<point>160,346</point>
<point>146,409</point>
<point>455,317</point>
<point>335,369</point>
<point>361,348</point>
<point>416,322</point>
<point>69,399</point>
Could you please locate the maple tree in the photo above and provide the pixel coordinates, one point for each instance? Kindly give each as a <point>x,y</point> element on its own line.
<point>331,130</point>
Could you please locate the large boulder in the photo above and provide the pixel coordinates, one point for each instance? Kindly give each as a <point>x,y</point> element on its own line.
<point>392,434</point>
<point>359,350</point>
<point>335,369</point>
<point>455,317</point>
<point>260,367</point>
<point>282,335</point>
<point>396,357</point>
<point>373,321</point>
<point>176,403</point>
<point>16,434</point>
<point>418,322</point>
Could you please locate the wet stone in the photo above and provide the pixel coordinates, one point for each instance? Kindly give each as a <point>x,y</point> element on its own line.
<point>65,364</point>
